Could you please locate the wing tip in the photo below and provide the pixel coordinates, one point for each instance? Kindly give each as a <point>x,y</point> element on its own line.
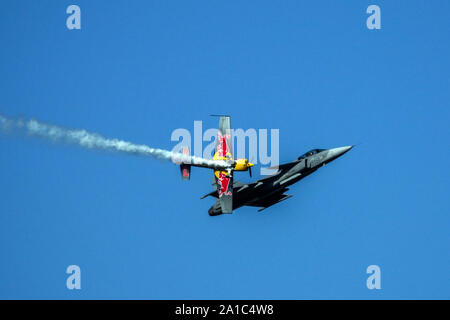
<point>220,115</point>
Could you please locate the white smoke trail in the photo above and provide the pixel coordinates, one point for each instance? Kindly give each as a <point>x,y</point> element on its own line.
<point>95,141</point>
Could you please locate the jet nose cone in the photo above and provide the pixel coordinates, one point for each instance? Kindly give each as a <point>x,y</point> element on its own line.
<point>343,150</point>
<point>337,152</point>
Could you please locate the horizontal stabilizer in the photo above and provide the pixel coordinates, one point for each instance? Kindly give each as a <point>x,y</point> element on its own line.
<point>185,168</point>
<point>212,194</point>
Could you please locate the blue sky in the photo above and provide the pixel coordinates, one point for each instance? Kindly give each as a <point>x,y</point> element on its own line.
<point>137,70</point>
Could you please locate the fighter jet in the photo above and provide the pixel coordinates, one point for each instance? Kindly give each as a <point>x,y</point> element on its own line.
<point>268,191</point>
<point>262,193</point>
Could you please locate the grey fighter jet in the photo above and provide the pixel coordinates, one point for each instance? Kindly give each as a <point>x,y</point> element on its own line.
<point>271,190</point>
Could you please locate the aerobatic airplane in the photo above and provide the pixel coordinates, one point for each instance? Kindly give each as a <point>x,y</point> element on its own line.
<point>262,193</point>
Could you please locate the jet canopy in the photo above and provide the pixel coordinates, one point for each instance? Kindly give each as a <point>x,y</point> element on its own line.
<point>310,153</point>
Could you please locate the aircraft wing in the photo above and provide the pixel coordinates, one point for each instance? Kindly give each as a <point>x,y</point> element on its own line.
<point>224,151</point>
<point>224,142</point>
<point>237,186</point>
<point>272,199</point>
<point>285,166</point>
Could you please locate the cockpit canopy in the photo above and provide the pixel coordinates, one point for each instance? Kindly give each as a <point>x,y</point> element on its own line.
<point>310,153</point>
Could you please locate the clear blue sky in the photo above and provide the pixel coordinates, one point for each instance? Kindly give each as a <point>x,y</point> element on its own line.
<point>137,70</point>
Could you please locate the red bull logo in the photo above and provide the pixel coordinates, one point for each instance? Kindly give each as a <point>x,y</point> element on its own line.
<point>224,182</point>
<point>222,145</point>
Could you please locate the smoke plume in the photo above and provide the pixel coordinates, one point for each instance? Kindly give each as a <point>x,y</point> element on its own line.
<point>89,140</point>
